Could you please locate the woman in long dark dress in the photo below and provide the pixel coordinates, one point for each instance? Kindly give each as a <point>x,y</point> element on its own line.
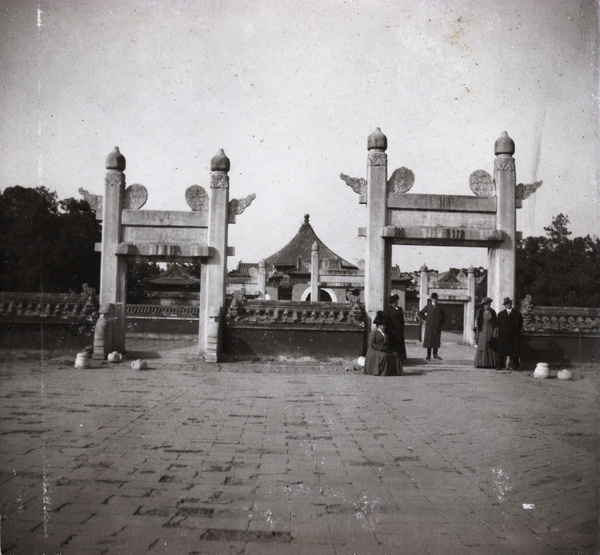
<point>395,327</point>
<point>486,355</point>
<point>380,360</point>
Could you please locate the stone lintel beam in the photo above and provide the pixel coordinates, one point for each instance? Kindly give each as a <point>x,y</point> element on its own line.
<point>443,236</point>
<point>159,250</point>
<point>444,203</point>
<point>164,218</point>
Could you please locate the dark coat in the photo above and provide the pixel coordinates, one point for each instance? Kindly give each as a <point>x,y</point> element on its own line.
<point>509,332</point>
<point>434,317</point>
<point>380,361</point>
<point>394,326</point>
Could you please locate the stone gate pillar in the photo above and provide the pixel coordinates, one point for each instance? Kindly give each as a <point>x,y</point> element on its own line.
<point>469,317</point>
<point>262,279</point>
<point>314,273</point>
<point>502,259</point>
<point>379,252</point>
<point>423,294</point>
<point>109,334</point>
<point>216,267</point>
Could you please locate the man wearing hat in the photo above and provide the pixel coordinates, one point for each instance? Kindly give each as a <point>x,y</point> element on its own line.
<point>510,323</point>
<point>434,316</point>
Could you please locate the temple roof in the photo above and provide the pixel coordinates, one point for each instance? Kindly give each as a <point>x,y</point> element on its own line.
<point>174,276</point>
<point>300,247</point>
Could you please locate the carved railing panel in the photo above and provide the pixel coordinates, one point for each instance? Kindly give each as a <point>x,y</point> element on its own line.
<point>59,308</point>
<point>563,320</point>
<point>285,313</point>
<point>162,312</point>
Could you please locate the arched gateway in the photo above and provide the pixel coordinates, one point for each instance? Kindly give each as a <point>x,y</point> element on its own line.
<point>129,233</point>
<point>396,218</point>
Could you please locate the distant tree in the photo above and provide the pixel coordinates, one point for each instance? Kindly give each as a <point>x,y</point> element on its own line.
<point>46,245</point>
<point>557,270</point>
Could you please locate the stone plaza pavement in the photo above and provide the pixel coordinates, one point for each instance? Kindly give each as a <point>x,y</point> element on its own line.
<point>296,458</point>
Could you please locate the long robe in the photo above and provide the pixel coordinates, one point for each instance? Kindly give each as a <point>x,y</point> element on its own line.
<point>380,361</point>
<point>395,330</point>
<point>485,356</point>
<point>434,316</point>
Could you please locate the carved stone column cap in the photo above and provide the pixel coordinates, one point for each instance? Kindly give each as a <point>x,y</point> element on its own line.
<point>504,145</point>
<point>377,140</point>
<point>115,160</point>
<point>220,162</point>
<point>315,246</point>
<point>423,268</point>
<point>471,270</point>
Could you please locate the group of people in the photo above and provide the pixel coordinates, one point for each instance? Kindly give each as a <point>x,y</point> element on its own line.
<point>497,337</point>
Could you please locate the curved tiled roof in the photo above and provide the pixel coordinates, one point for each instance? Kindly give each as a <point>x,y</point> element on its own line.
<point>301,247</point>
<point>174,275</point>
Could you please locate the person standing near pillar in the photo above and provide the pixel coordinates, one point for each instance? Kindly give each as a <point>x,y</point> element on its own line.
<point>394,316</point>
<point>434,316</point>
<point>510,323</point>
<point>485,331</point>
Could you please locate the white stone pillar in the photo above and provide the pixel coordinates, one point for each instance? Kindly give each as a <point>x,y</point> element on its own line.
<point>378,259</point>
<point>314,273</point>
<point>109,334</point>
<point>469,317</point>
<point>262,279</point>
<point>423,294</point>
<point>216,267</point>
<point>423,287</point>
<point>503,257</point>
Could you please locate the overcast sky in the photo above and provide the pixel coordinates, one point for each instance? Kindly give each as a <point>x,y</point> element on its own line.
<point>291,90</point>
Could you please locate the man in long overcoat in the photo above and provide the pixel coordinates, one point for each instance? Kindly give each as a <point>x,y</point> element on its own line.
<point>434,316</point>
<point>510,323</point>
<point>395,327</point>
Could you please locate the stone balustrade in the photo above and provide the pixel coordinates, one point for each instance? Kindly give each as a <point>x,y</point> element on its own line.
<point>158,311</point>
<point>44,307</point>
<point>293,313</point>
<point>562,320</point>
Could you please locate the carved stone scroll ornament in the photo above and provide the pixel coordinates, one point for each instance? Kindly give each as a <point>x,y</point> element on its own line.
<point>219,181</point>
<point>377,158</point>
<point>401,180</point>
<point>357,184</point>
<point>135,196</point>
<point>196,198</point>
<point>524,190</point>
<point>237,206</point>
<point>482,184</point>
<point>504,164</point>
<point>115,179</point>
<point>95,201</point>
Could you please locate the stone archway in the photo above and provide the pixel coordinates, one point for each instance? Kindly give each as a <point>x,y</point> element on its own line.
<point>330,292</point>
<point>395,217</point>
<point>163,236</point>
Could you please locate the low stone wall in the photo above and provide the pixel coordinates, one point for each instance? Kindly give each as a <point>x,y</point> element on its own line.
<point>272,329</point>
<point>46,322</point>
<point>561,335</point>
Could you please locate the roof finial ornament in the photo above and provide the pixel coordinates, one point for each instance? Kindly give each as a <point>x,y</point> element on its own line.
<point>306,218</point>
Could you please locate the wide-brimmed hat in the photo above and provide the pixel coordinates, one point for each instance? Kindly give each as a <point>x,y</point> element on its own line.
<point>486,300</point>
<point>379,318</point>
<point>506,300</point>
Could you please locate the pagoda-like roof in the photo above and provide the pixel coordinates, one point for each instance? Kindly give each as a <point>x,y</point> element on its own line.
<point>174,276</point>
<point>300,247</point>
